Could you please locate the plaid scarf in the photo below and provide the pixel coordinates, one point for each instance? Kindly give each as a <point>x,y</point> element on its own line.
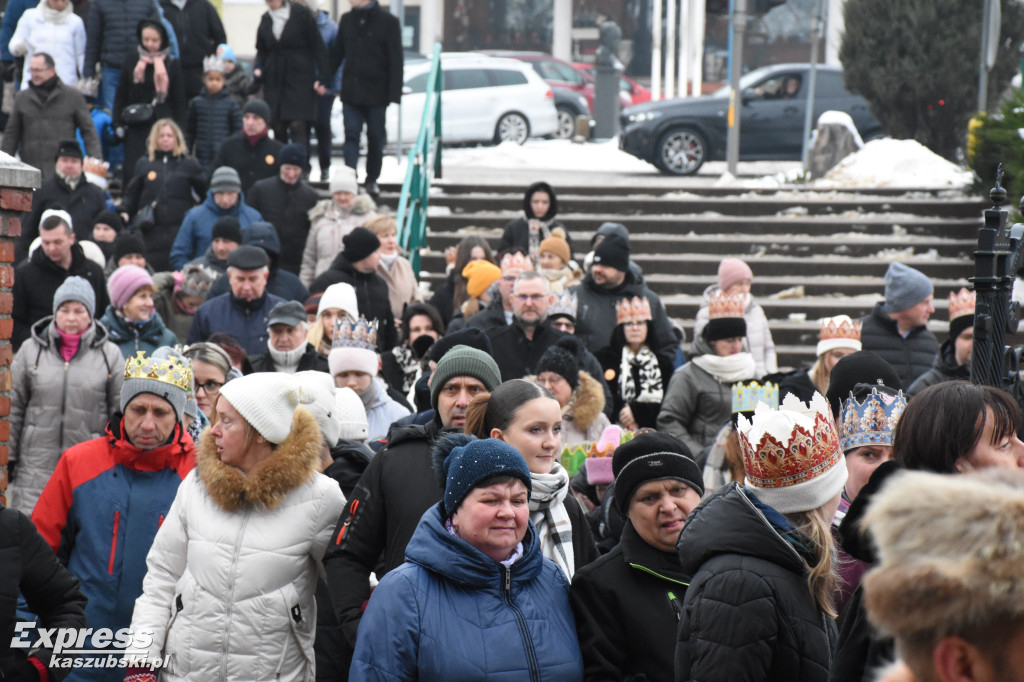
<point>547,511</point>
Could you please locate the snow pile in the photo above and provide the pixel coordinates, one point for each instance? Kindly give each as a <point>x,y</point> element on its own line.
<point>895,163</point>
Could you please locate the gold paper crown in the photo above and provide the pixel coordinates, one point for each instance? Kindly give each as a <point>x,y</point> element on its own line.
<point>871,422</point>
<point>961,303</point>
<point>745,397</point>
<point>564,304</point>
<point>838,327</point>
<point>636,309</point>
<point>349,333</point>
<point>169,370</point>
<point>802,456</point>
<point>516,262</point>
<point>722,305</point>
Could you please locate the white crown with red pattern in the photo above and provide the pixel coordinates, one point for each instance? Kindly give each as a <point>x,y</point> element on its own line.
<point>636,309</point>
<point>838,332</point>
<point>723,305</point>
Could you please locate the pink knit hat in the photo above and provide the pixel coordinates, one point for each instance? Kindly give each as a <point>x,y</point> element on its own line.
<point>125,281</point>
<point>599,470</point>
<point>731,271</point>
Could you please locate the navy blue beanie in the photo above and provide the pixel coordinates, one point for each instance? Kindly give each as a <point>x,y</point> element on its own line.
<point>462,461</point>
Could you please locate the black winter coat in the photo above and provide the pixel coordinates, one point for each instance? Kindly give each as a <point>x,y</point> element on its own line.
<point>310,360</point>
<point>369,42</point>
<point>910,357</point>
<point>798,384</point>
<point>199,31</point>
<point>290,65</point>
<point>286,207</point>
<point>748,613</point>
<point>37,280</point>
<point>491,319</point>
<point>174,183</point>
<point>516,236</point>
<point>253,162</point>
<point>371,296</point>
<point>31,568</point>
<point>517,355</point>
<point>110,31</point>
<point>944,369</point>
<point>627,606</point>
<point>596,319</point>
<point>83,203</point>
<point>212,119</point>
<point>383,510</point>
<point>444,298</point>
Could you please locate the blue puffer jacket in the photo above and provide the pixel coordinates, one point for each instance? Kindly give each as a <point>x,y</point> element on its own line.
<point>244,320</point>
<point>195,234</point>
<point>452,613</point>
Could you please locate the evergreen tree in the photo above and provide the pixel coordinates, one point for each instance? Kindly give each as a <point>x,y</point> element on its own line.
<point>916,63</point>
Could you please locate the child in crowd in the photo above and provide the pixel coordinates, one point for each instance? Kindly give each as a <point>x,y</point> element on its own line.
<point>213,115</point>
<point>735,277</point>
<point>236,80</point>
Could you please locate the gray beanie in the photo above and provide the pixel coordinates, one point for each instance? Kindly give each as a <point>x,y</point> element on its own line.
<point>905,287</point>
<point>462,361</point>
<point>225,179</point>
<point>141,376</point>
<point>75,288</point>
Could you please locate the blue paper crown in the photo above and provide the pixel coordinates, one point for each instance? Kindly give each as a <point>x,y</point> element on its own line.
<point>349,333</point>
<point>745,397</point>
<point>871,422</point>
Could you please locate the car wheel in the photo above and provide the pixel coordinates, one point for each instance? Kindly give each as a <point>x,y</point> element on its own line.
<point>680,152</point>
<point>566,124</point>
<point>512,127</point>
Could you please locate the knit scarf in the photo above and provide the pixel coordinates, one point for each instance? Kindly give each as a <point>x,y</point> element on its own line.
<point>68,344</point>
<point>286,361</point>
<point>547,511</point>
<point>388,259</point>
<point>52,16</point>
<point>161,83</point>
<point>652,388</point>
<point>728,369</point>
<point>278,18</point>
<point>369,395</point>
<point>409,365</point>
<point>71,182</point>
<point>536,236</point>
<point>253,140</point>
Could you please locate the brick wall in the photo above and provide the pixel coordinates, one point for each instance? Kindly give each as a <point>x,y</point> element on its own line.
<point>16,183</point>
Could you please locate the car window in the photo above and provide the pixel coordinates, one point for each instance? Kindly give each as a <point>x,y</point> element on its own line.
<point>506,77</point>
<point>625,85</point>
<point>556,71</point>
<point>417,84</point>
<point>464,79</point>
<point>781,86</point>
<point>829,84</point>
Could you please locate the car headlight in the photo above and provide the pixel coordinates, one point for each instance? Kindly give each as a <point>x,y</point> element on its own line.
<point>642,116</point>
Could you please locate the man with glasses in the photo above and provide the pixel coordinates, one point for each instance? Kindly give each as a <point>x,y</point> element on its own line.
<point>499,312</point>
<point>517,347</point>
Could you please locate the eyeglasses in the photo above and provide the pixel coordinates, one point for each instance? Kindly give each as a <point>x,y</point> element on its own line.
<point>530,298</point>
<point>211,387</point>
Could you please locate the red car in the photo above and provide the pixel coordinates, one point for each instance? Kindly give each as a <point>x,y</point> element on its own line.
<point>636,93</point>
<point>554,70</point>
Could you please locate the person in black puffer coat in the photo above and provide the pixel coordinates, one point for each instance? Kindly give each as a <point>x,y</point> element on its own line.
<point>356,265</point>
<point>110,29</point>
<point>953,363</point>
<point>251,152</point>
<point>213,116</point>
<point>540,206</point>
<point>151,76</point>
<point>199,30</point>
<point>30,568</point>
<point>760,603</point>
<point>172,179</point>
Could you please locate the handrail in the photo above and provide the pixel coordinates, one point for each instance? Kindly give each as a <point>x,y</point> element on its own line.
<point>424,166</point>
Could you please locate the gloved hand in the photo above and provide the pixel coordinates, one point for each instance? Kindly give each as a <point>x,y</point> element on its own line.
<point>7,71</point>
<point>20,671</point>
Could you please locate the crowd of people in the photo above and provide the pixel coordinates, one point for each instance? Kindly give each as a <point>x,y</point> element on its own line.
<point>242,425</point>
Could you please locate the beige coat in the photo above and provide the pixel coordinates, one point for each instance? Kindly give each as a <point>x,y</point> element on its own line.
<point>402,286</point>
<point>328,227</point>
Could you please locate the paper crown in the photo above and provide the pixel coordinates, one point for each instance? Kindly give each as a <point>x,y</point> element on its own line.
<point>871,422</point>
<point>961,303</point>
<point>213,63</point>
<point>722,305</point>
<point>745,397</point>
<point>516,262</point>
<point>789,449</point>
<point>636,309</point>
<point>169,370</point>
<point>349,333</point>
<point>838,327</point>
<point>564,304</point>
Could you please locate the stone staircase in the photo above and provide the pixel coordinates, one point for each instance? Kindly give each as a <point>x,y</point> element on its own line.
<point>813,253</point>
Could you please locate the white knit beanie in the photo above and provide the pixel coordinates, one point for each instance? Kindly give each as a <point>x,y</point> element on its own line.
<point>339,295</point>
<point>349,359</point>
<point>351,415</point>
<point>321,387</point>
<point>267,400</point>
<point>343,179</point>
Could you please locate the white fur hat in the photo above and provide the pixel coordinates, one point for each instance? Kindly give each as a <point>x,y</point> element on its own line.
<point>340,295</point>
<point>267,400</point>
<point>351,415</point>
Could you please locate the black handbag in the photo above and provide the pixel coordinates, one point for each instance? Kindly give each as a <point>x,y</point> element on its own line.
<point>135,114</point>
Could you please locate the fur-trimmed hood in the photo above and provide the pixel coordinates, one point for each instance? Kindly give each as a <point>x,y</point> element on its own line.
<point>587,401</point>
<point>294,462</point>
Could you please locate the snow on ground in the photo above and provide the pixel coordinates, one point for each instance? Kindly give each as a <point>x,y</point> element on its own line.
<point>895,163</point>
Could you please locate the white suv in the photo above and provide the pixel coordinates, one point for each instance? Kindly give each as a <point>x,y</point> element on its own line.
<point>484,99</point>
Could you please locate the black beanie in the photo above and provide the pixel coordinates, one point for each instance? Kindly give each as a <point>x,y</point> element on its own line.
<point>649,457</point>
<point>68,148</point>
<point>862,367</point>
<point>126,244</point>
<point>958,324</point>
<point>258,107</point>
<point>359,243</point>
<point>109,218</point>
<point>561,359</point>
<point>612,252</point>
<point>227,228</point>
<point>724,328</point>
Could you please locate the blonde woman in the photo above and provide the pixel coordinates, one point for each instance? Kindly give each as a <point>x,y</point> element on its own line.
<point>393,268</point>
<point>337,302</point>
<point>162,190</point>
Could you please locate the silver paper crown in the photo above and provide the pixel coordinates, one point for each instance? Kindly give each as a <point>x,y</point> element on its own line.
<point>361,333</point>
<point>871,422</point>
<point>564,304</point>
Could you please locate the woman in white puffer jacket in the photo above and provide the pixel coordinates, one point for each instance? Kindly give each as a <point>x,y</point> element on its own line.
<point>51,27</point>
<point>229,591</point>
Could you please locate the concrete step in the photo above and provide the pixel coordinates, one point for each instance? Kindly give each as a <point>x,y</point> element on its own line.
<point>516,190</point>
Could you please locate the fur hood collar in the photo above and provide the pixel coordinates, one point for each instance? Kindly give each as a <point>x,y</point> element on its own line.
<point>294,463</point>
<point>361,206</point>
<point>587,402</point>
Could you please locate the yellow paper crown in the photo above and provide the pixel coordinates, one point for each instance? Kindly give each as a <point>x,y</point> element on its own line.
<point>169,370</point>
<point>745,397</point>
<point>361,333</point>
<point>636,309</point>
<point>838,327</point>
<point>722,305</point>
<point>961,303</point>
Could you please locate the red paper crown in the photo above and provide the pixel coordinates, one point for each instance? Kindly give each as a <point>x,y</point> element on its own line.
<point>516,262</point>
<point>961,303</point>
<point>636,309</point>
<point>839,327</point>
<point>723,305</point>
